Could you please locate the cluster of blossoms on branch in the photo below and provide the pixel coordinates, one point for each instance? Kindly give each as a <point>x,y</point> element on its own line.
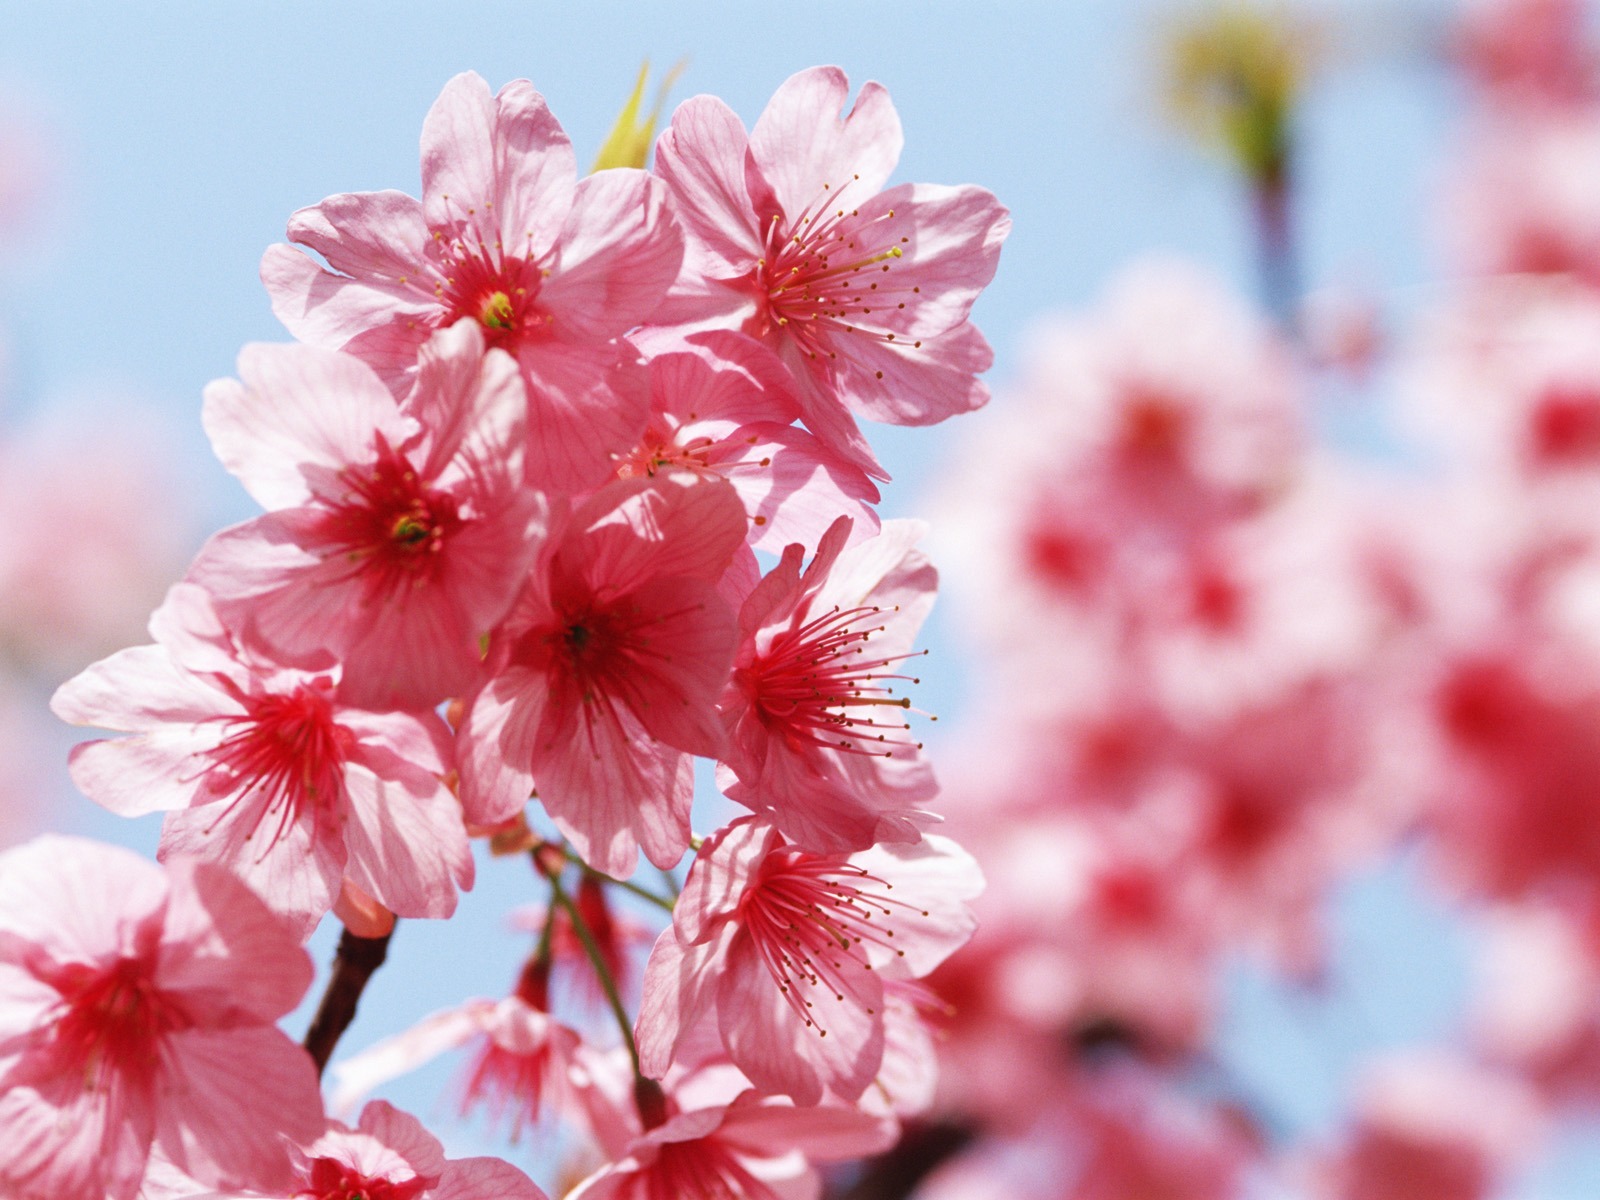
<point>518,474</point>
<point>1226,667</point>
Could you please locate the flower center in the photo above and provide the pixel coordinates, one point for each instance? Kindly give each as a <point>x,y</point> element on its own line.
<point>114,1021</point>
<point>810,918</point>
<point>661,448</point>
<point>812,273</point>
<point>393,524</point>
<point>497,312</point>
<point>288,750</point>
<point>334,1180</point>
<point>818,684</point>
<point>476,276</point>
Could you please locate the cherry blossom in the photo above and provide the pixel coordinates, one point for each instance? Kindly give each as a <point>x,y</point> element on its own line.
<point>604,677</point>
<point>1430,1127</point>
<point>787,952</point>
<point>752,1148</point>
<point>554,269</point>
<point>265,769</point>
<point>387,1156</point>
<point>396,539</point>
<point>817,740</point>
<point>863,292</point>
<point>139,1011</point>
<point>721,404</point>
<point>520,1062</point>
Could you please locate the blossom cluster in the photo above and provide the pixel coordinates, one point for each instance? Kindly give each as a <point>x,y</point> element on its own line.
<point>1226,664</point>
<point>563,489</point>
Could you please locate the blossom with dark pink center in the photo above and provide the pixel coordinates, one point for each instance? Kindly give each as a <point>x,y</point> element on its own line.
<point>787,953</point>
<point>396,537</point>
<point>138,1009</point>
<point>265,769</point>
<point>604,677</point>
<point>519,1061</point>
<point>387,1156</point>
<point>723,405</point>
<point>817,736</point>
<point>753,1148</point>
<point>553,270</point>
<point>864,293</point>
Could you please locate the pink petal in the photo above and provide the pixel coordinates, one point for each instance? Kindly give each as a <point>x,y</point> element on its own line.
<point>619,253</point>
<point>640,529</point>
<point>770,1042</point>
<point>301,416</point>
<point>933,880</point>
<point>950,252</point>
<point>77,900</point>
<point>65,1141</point>
<point>405,1135</point>
<point>701,155</point>
<point>501,166</point>
<point>678,990</point>
<point>823,1134</point>
<point>538,172</point>
<point>228,1098</point>
<point>323,309</point>
<point>408,851</point>
<point>920,385</point>
<point>585,405</point>
<point>295,869</point>
<point>499,736</point>
<point>720,875</point>
<point>226,948</point>
<point>611,789</point>
<point>812,154</point>
<point>377,237</point>
<point>484,1179</point>
<point>145,773</point>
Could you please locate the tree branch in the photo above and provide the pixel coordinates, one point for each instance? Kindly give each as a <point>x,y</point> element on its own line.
<point>353,965</point>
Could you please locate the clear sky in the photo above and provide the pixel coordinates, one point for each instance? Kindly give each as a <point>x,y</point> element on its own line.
<point>186,133</point>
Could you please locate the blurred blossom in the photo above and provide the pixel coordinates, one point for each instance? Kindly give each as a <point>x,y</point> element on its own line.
<point>1113,1134</point>
<point>100,526</point>
<point>1528,51</point>
<point>1430,1126</point>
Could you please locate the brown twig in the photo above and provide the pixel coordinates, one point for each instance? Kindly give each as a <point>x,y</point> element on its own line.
<point>353,965</point>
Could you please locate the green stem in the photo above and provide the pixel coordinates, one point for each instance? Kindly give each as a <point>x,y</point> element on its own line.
<point>627,886</point>
<point>672,883</point>
<point>597,961</point>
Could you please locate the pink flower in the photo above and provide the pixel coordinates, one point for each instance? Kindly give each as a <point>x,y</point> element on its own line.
<point>264,769</point>
<point>721,404</point>
<point>79,576</point>
<point>1528,51</point>
<point>1525,199</point>
<point>605,675</point>
<point>137,1008</point>
<point>520,1060</point>
<point>1109,1135</point>
<point>1430,1126</point>
<point>553,269</point>
<point>755,1148</point>
<point>388,1156</point>
<point>816,740</point>
<point>863,292</point>
<point>787,951</point>
<point>396,538</point>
